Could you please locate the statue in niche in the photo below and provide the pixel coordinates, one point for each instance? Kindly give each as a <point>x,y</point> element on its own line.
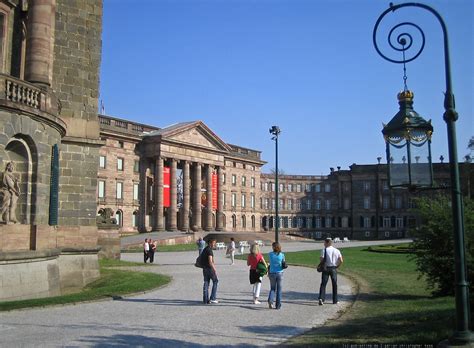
<point>9,194</point>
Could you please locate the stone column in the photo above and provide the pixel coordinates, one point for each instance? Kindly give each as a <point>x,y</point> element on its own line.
<point>209,194</point>
<point>158,193</point>
<point>173,197</point>
<point>143,196</point>
<point>220,203</point>
<point>197,197</point>
<point>41,18</point>
<point>186,197</point>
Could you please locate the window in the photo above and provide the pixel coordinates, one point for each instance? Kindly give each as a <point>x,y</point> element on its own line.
<point>328,204</point>
<point>308,204</point>
<point>386,202</point>
<point>398,202</point>
<point>282,204</point>
<point>267,204</point>
<point>135,219</point>
<point>234,180</point>
<point>135,191</point>
<point>243,200</point>
<point>298,188</point>
<point>136,166</point>
<point>318,187</point>
<point>282,187</point>
<point>252,182</point>
<point>318,222</point>
<point>328,222</point>
<point>290,187</point>
<point>386,222</point>
<point>244,180</point>
<point>101,186</point>
<point>366,222</point>
<point>223,178</point>
<point>346,187</point>
<point>347,203</point>
<point>345,222</point>
<point>272,187</point>
<point>119,217</point>
<point>233,202</point>
<point>308,187</point>
<point>243,221</point>
<point>3,39</point>
<point>298,204</point>
<point>223,199</point>
<point>384,184</point>
<point>273,204</point>
<point>366,202</point>
<point>399,222</point>
<point>327,188</point>
<point>102,161</point>
<point>290,204</point>
<point>252,200</point>
<point>265,186</point>
<point>120,164</point>
<point>366,186</point>
<point>318,204</point>
<point>119,194</point>
<point>121,144</point>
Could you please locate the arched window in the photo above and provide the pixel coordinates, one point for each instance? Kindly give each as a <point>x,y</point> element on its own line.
<point>135,219</point>
<point>119,217</point>
<point>244,221</point>
<point>234,221</point>
<point>253,221</point>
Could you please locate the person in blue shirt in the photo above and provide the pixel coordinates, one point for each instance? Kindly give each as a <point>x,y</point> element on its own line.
<point>276,275</point>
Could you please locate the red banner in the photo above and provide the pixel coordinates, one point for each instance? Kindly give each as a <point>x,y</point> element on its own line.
<point>166,187</point>
<point>214,191</point>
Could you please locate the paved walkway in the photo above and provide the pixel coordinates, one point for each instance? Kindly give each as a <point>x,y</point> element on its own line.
<point>174,314</point>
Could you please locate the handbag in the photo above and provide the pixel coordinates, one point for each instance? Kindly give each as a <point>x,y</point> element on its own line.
<point>322,265</point>
<point>284,265</point>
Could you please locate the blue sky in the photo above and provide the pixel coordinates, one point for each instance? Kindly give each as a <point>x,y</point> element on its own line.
<point>308,66</point>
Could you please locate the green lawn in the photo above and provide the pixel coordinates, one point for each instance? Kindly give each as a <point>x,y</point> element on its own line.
<point>113,282</point>
<point>393,306</point>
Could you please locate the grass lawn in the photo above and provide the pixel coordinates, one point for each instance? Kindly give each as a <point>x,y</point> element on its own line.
<point>113,282</point>
<point>393,306</point>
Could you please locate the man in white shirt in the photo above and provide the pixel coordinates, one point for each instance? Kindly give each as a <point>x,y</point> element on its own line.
<point>332,258</point>
<point>146,250</point>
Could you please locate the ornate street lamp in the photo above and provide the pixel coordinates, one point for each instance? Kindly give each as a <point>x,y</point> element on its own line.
<point>275,131</point>
<point>404,41</point>
<point>408,144</point>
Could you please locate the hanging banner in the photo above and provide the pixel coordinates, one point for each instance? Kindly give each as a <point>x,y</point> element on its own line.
<point>166,187</point>
<point>214,191</point>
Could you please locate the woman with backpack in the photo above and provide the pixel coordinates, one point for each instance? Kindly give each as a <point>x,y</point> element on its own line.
<point>256,272</point>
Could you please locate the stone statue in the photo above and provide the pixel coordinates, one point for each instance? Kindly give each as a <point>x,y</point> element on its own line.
<point>105,217</point>
<point>9,194</point>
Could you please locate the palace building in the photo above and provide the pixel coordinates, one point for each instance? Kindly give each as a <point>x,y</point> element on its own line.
<point>184,177</point>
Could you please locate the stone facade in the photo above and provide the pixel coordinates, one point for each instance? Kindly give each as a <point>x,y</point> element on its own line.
<point>354,203</point>
<point>49,71</point>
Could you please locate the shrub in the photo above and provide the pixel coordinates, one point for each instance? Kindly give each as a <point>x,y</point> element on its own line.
<point>434,243</point>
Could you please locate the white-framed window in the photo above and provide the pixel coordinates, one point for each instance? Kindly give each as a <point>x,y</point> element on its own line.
<point>101,189</point>
<point>385,185</point>
<point>272,187</point>
<point>265,186</point>
<point>298,204</point>
<point>267,203</point>
<point>300,222</point>
<point>234,179</point>
<point>386,202</point>
<point>243,200</point>
<point>224,199</point>
<point>290,187</point>
<point>399,222</point>
<point>367,222</point>
<point>135,219</point>
<point>318,187</point>
<point>347,203</point>
<point>290,204</point>
<point>398,202</point>
<point>233,202</point>
<point>136,166</point>
<point>386,222</point>
<point>327,188</point>
<point>135,191</point>
<point>119,193</point>
<point>318,204</point>
<point>308,204</point>
<point>119,217</point>
<point>120,164</point>
<point>366,186</point>
<point>282,187</point>
<point>102,162</point>
<point>366,202</point>
<point>328,204</point>
<point>318,222</point>
<point>308,187</point>
<point>328,221</point>
<point>345,222</point>
<point>252,182</point>
<point>282,204</point>
<point>244,180</point>
<point>252,200</point>
<point>273,204</point>
<point>298,188</point>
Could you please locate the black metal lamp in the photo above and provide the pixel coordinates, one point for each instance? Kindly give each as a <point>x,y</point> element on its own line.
<point>275,131</point>
<point>408,145</point>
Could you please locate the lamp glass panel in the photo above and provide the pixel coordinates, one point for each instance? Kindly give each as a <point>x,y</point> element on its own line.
<point>420,163</point>
<point>398,164</point>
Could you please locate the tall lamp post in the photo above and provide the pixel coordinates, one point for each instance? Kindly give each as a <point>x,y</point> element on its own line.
<point>275,131</point>
<point>404,41</point>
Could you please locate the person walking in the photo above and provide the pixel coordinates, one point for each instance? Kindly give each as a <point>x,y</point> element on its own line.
<point>201,245</point>
<point>277,259</point>
<point>152,250</point>
<point>231,250</point>
<point>332,259</point>
<point>146,250</point>
<point>209,273</point>
<point>254,258</point>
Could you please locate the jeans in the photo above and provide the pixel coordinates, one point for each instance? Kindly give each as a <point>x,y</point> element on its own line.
<point>209,275</point>
<point>275,286</point>
<point>330,272</point>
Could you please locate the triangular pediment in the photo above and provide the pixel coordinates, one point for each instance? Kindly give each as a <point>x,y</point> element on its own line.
<point>195,134</point>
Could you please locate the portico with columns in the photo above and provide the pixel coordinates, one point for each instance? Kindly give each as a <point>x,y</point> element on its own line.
<point>180,162</point>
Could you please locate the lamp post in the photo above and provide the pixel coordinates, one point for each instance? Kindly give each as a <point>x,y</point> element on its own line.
<point>275,131</point>
<point>404,42</point>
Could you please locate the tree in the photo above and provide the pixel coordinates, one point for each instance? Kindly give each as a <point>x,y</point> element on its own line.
<point>280,171</point>
<point>434,243</point>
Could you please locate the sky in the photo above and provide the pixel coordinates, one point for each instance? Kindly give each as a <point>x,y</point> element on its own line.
<point>307,66</point>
